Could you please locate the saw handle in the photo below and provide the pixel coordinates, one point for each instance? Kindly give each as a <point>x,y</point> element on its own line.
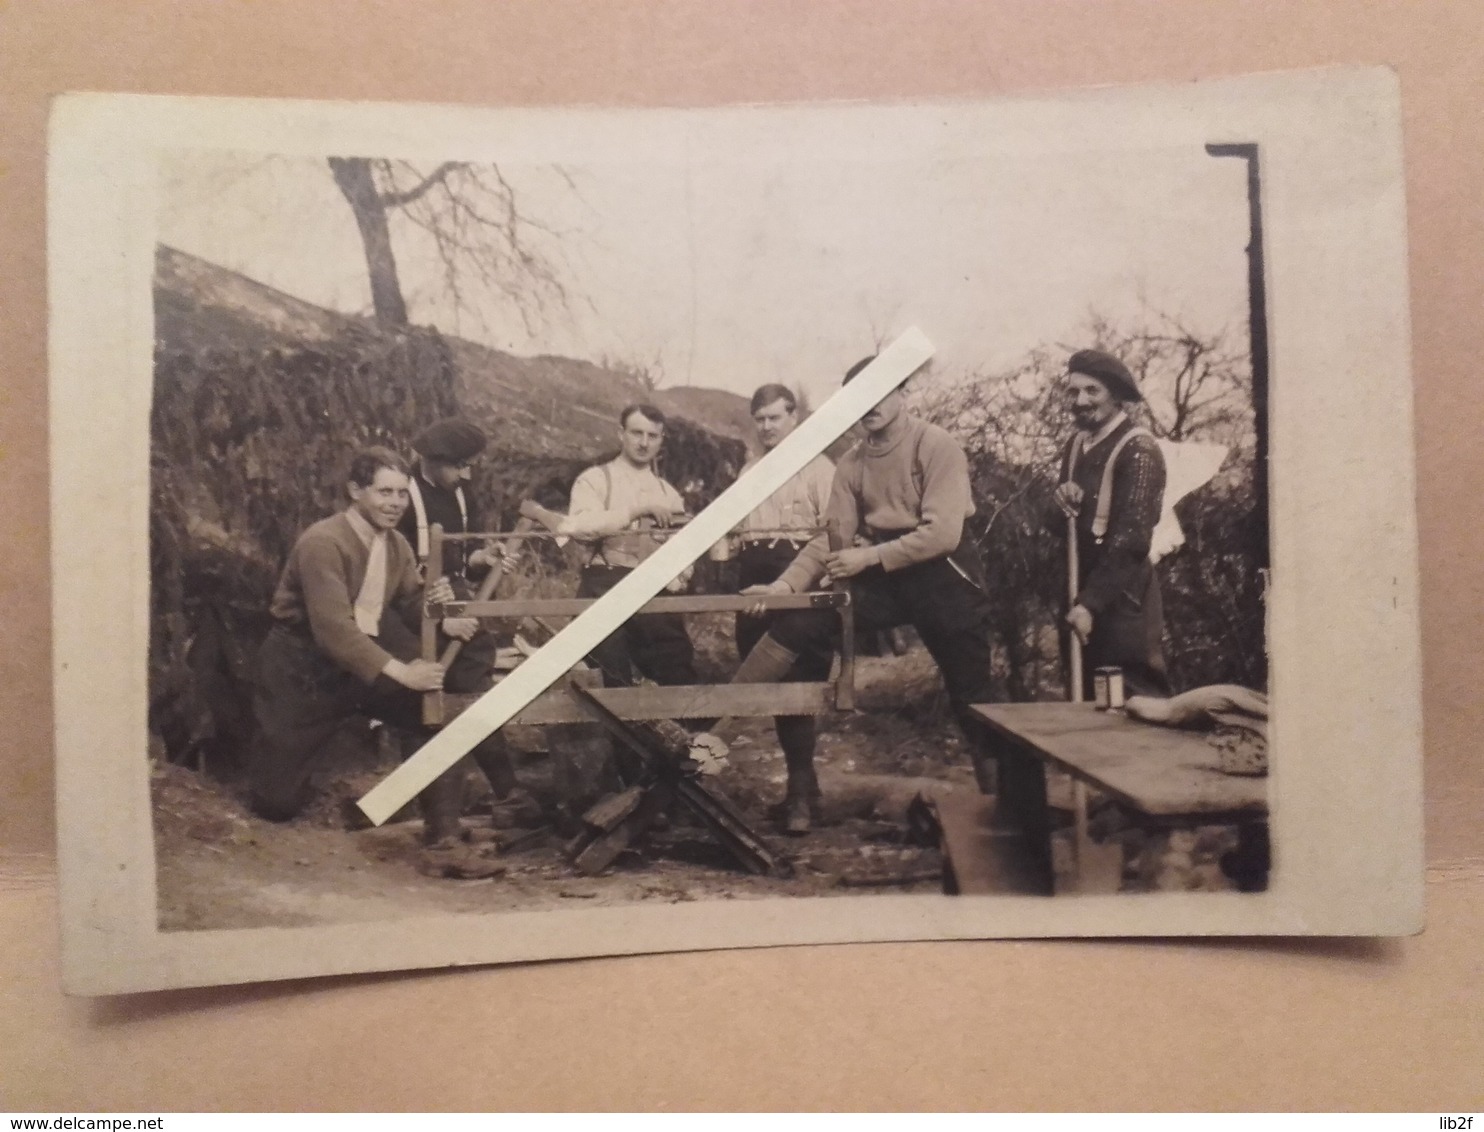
<point>485,592</point>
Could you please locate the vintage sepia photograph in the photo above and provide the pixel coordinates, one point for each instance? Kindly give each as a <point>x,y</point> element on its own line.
<point>535,343</point>
<point>415,402</point>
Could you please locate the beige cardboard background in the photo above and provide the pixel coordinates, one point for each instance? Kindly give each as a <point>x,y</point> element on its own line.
<point>1095,1025</point>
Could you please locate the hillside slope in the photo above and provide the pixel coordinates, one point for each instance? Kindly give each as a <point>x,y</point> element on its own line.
<point>542,406</point>
<point>260,397</point>
<point>727,414</point>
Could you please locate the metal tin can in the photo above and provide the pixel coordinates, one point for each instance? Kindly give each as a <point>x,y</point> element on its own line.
<point>1107,688</point>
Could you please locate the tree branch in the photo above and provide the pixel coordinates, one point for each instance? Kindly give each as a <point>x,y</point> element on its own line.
<point>399,200</point>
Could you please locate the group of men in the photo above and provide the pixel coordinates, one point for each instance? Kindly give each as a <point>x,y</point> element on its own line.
<point>347,608</point>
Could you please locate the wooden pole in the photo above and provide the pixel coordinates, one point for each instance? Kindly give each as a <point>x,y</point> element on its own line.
<point>1074,693</point>
<point>1257,321</point>
<point>845,687</point>
<point>485,592</point>
<point>1079,789</point>
<point>432,570</point>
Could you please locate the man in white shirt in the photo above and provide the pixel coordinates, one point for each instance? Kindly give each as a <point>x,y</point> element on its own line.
<point>618,510</point>
<point>768,541</point>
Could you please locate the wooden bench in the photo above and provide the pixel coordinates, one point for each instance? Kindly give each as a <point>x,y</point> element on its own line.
<point>1168,776</point>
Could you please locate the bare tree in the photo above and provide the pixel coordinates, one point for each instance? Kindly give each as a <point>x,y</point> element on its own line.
<point>354,177</point>
<point>482,239</point>
<point>879,320</point>
<point>649,375</point>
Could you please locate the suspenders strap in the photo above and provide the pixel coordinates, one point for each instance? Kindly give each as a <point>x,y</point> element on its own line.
<point>598,558</point>
<point>1104,510</point>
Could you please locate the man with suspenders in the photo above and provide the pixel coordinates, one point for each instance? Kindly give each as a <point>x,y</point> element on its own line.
<point>616,512</point>
<point>445,450</point>
<point>1112,484</point>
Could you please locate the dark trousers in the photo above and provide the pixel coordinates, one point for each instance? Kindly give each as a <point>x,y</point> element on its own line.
<point>301,698</point>
<point>759,564</point>
<point>1129,634</point>
<point>472,673</point>
<point>653,645</point>
<point>942,599</point>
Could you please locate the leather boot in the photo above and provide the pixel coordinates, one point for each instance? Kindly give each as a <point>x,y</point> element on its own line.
<point>768,663</point>
<point>445,854</point>
<point>511,806</point>
<point>442,804</point>
<point>493,760</point>
<point>801,797</point>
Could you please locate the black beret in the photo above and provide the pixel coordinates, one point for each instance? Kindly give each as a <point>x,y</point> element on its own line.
<point>454,441</point>
<point>1107,369</point>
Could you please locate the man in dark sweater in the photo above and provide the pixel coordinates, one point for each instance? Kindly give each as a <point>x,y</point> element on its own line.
<point>344,643</point>
<point>901,497</point>
<point>1112,487</point>
<point>437,490</point>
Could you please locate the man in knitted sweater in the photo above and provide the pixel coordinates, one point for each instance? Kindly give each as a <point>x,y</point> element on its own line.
<point>901,497</point>
<point>345,642</point>
<point>1112,487</point>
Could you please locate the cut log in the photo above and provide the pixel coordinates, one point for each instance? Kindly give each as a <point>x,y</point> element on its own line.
<point>889,880</point>
<point>607,814</point>
<point>593,854</point>
<point>720,816</point>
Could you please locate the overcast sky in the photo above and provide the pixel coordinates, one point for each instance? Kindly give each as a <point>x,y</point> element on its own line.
<point>730,264</point>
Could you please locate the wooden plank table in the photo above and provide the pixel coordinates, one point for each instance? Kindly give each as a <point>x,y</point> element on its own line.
<point>1168,775</point>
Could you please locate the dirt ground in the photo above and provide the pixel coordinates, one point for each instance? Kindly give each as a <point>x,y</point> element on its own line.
<point>221,867</point>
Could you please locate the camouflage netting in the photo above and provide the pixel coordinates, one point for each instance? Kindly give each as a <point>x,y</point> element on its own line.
<point>250,444</point>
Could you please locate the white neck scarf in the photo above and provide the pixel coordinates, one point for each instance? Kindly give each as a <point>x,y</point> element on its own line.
<point>373,590</point>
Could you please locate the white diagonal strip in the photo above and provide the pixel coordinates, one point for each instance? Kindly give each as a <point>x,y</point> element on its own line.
<point>893,365</point>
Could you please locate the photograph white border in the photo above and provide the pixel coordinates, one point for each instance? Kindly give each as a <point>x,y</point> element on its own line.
<point>1346,785</point>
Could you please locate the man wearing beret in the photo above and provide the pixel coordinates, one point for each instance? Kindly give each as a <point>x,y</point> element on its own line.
<point>437,494</point>
<point>344,643</point>
<point>1112,487</point>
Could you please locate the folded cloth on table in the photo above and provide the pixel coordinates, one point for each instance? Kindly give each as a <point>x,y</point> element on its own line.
<point>1241,713</point>
<point>1216,703</point>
